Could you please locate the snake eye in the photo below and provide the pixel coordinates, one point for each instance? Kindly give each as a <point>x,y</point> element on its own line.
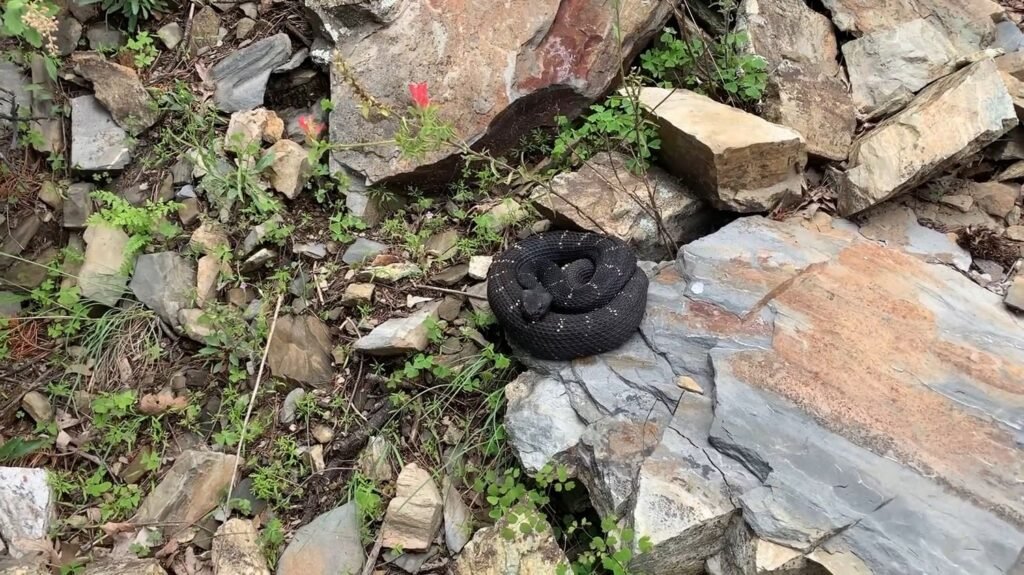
<point>535,303</point>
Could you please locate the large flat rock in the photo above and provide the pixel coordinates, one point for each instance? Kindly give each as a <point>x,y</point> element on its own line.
<point>737,161</point>
<point>839,404</point>
<point>911,147</point>
<point>497,70</point>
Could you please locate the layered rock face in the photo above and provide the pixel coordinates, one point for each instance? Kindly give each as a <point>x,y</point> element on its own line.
<point>799,398</point>
<point>497,69</point>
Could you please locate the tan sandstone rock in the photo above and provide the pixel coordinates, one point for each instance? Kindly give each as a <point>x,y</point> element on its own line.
<point>736,160</point>
<point>414,515</point>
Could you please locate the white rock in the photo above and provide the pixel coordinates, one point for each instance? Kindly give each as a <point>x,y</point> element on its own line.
<point>397,336</point>
<point>289,170</point>
<point>26,509</point>
<point>102,276</point>
<point>478,266</point>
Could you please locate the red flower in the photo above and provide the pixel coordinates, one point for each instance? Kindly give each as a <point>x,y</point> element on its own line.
<point>310,127</point>
<point>419,94</point>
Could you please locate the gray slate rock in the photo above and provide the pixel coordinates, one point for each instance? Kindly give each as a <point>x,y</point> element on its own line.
<point>97,142</point>
<point>171,35</point>
<point>301,350</point>
<point>14,79</point>
<point>102,37</point>
<point>166,283</point>
<point>329,544</point>
<point>78,206</point>
<point>241,78</point>
<point>363,250</point>
<point>69,32</point>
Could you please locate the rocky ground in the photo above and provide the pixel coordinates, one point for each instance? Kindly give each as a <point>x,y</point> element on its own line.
<point>242,260</point>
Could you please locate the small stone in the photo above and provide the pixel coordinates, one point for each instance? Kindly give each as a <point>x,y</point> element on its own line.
<point>374,461</point>
<point>189,211</point>
<point>411,563</point>
<point>289,170</point>
<point>1015,295</point>
<point>244,27</point>
<point>963,203</point>
<point>322,433</point>
<point>10,304</point>
<point>997,199</point>
<point>478,266</point>
<point>240,297</point>
<point>37,406</point>
<point>97,142</point>
<point>506,213</point>
<point>69,32</point>
<point>165,282</point>
<point>246,129</point>
<point>18,240</point>
<point>209,238</point>
<point>290,405</point>
<point>208,272</point>
<point>258,260</point>
<point>49,195</point>
<point>442,245</point>
<point>301,350</point>
<point>205,31</point>
<point>451,276</point>
<point>706,142</point>
<point>458,519</point>
<point>414,515</point>
<point>689,384</point>
<point>315,458</point>
<point>102,38</point>
<point>362,250</point>
<point>240,79</point>
<point>249,9</point>
<point>29,275</point>
<point>257,235</point>
<point>390,273</point>
<point>412,301</point>
<point>120,91</point>
<point>1015,233</point>
<point>194,325</point>
<point>101,277</point>
<point>316,251</point>
<point>449,308</point>
<point>398,336</point>
<point>78,206</point>
<point>362,206</point>
<point>237,550</point>
<point>331,543</point>
<point>171,35</point>
<point>357,293</point>
<point>479,299</point>
<point>193,487</point>
<point>26,509</point>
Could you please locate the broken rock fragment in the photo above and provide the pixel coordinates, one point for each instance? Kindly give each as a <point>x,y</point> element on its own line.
<point>737,161</point>
<point>926,140</point>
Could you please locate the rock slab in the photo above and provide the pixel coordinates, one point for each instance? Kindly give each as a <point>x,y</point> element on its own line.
<point>329,544</point>
<point>240,79</point>
<point>102,277</point>
<point>826,359</point>
<point>541,58</point>
<point>237,550</point>
<point>928,142</point>
<point>301,350</point>
<point>491,553</point>
<point>26,510</point>
<point>737,161</point>
<point>398,336</point>
<point>119,89</point>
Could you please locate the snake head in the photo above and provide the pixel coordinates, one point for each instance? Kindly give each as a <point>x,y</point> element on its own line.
<point>536,303</point>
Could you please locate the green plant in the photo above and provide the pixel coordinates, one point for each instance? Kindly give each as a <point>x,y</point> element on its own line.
<point>191,124</point>
<point>369,503</point>
<point>133,10</point>
<point>16,448</point>
<point>115,501</point>
<point>233,344</point>
<point>278,481</point>
<point>272,539</point>
<point>343,227</point>
<point>140,223</point>
<point>118,424</point>
<point>142,50</point>
<point>239,181</point>
<point>724,69</point>
<point>618,123</point>
<point>233,405</point>
<point>607,553</point>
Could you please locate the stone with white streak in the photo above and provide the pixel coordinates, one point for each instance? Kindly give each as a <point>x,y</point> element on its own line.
<point>26,510</point>
<point>398,336</point>
<point>927,140</point>
<point>97,142</point>
<point>737,161</point>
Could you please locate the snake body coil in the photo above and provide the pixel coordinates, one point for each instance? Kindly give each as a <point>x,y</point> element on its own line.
<point>564,295</point>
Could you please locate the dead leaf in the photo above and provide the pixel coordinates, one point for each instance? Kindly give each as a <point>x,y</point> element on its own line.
<point>161,402</point>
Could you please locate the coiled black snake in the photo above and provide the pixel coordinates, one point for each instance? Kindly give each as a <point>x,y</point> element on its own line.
<point>564,295</point>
